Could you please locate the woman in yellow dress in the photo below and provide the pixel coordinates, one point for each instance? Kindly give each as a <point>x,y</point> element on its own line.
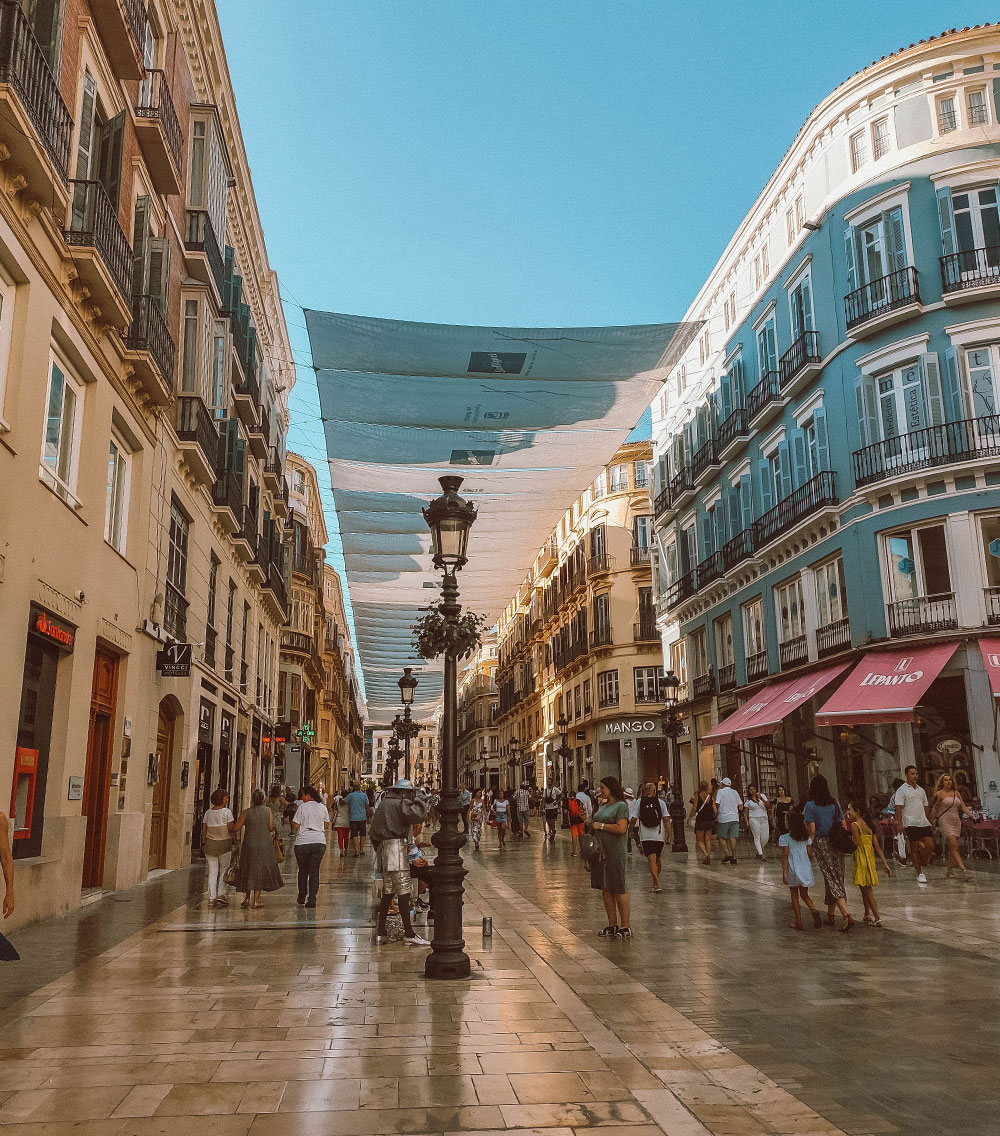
<point>865,874</point>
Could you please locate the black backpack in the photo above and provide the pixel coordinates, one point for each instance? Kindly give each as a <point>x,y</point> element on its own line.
<point>649,812</point>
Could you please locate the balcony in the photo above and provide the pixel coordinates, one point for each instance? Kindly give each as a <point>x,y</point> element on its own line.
<point>296,641</point>
<point>227,497</point>
<point>705,460</point>
<point>639,557</point>
<point>273,476</point>
<point>598,564</point>
<point>764,401</point>
<point>709,570</point>
<point>923,614</point>
<point>757,666</point>
<point>969,440</point>
<point>680,485</point>
<point>969,275</point>
<point>793,652</point>
<point>703,686</point>
<point>991,597</point>
<point>121,24</point>
<point>833,637</point>
<point>548,556</point>
<point>882,302</point>
<point>740,548</point>
<point>174,614</point>
<point>304,566</point>
<point>159,133</point>
<point>101,252</point>
<point>208,651</point>
<point>727,677</point>
<point>151,349</point>
<point>800,363</point>
<point>198,437</point>
<point>817,493</point>
<point>279,501</point>
<point>733,432</point>
<point>682,589</point>
<point>203,256</point>
<point>645,630</point>
<point>245,537</point>
<point>39,126</point>
<point>275,585</point>
<point>661,502</point>
<point>600,637</point>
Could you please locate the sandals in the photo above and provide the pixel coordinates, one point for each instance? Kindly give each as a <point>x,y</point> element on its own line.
<point>847,925</point>
<point>609,932</point>
<point>245,903</point>
<point>795,926</point>
<point>257,905</point>
<point>624,932</point>
<point>817,920</point>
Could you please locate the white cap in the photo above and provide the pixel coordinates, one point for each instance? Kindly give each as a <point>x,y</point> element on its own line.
<point>726,781</point>
<point>629,793</point>
<point>403,783</point>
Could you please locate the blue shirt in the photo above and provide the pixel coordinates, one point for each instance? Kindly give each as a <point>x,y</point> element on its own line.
<point>357,805</point>
<point>822,816</point>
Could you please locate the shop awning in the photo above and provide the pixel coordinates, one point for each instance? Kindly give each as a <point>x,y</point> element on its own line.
<point>886,686</point>
<point>990,648</point>
<point>763,714</point>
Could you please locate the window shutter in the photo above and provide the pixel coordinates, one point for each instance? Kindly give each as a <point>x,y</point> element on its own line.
<point>822,438</point>
<point>240,462</point>
<point>932,384</point>
<point>892,224</point>
<point>851,253</point>
<point>719,517</point>
<point>946,219</point>
<point>140,246</point>
<point>735,513</point>
<point>800,460</point>
<point>112,145</point>
<point>955,401</point>
<point>725,402</point>
<point>85,144</point>
<point>746,500</point>
<point>784,470</point>
<point>688,442</point>
<point>864,387</point>
<point>765,486</point>
<point>159,270</point>
<point>706,536</point>
<point>739,384</point>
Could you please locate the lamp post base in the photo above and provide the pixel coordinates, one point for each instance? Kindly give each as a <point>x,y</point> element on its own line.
<point>447,965</point>
<point>677,819</point>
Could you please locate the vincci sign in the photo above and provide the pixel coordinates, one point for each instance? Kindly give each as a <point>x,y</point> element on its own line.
<point>632,727</point>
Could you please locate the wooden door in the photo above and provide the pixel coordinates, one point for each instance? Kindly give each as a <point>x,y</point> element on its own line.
<point>160,817</point>
<point>97,778</point>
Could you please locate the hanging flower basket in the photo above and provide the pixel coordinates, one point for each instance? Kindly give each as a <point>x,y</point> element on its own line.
<point>433,635</point>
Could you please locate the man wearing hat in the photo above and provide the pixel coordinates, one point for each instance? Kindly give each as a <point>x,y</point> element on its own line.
<point>729,804</point>
<point>399,808</point>
<point>633,812</point>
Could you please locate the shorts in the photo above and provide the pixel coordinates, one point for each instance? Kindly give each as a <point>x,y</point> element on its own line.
<point>728,829</point>
<point>576,829</point>
<point>919,832</point>
<point>652,847</point>
<point>359,828</point>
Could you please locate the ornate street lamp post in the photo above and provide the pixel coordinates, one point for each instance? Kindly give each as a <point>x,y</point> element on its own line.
<point>484,755</point>
<point>407,686</point>
<point>391,771</point>
<point>449,518</point>
<point>563,724</point>
<point>672,728</point>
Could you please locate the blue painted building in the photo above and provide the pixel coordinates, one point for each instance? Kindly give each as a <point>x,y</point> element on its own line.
<point>827,456</point>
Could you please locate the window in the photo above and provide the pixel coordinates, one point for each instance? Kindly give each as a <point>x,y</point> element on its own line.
<point>213,582</point>
<point>642,528</point>
<point>577,703</point>
<point>947,115</point>
<point>98,158</point>
<point>116,505</point>
<point>979,114</point>
<point>724,641</point>
<point>174,601</point>
<point>761,268</point>
<point>875,249</point>
<point>45,18</point>
<point>698,652</point>
<point>990,530</point>
<point>61,440</point>
<point>647,684</point>
<point>917,561</point>
<point>729,310</point>
<point>881,138</point>
<point>767,348</point>
<point>859,151</point>
<point>587,705</point>
<point>607,688</point>
<point>6,321</point>
<point>641,474</point>
<point>218,400</point>
<point>831,595</point>
<point>208,173</point>
<point>981,367</point>
<point>789,225</point>
<point>976,227</point>
<point>704,347</point>
<point>790,610</point>
<point>617,478</point>
<point>801,306</point>
<point>753,627</point>
<point>190,383</point>
<point>800,212</point>
<point>298,482</point>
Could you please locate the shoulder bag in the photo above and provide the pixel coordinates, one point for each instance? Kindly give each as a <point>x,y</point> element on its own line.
<point>840,839</point>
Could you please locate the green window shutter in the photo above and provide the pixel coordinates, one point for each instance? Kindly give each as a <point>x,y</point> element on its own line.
<point>707,534</point>
<point>851,254</point>
<point>725,400</point>
<point>892,223</point>
<point>719,518</point>
<point>140,246</point>
<point>864,388</point>
<point>159,270</point>
<point>784,470</point>
<point>85,144</point>
<point>800,461</point>
<point>955,401</point>
<point>110,168</point>
<point>746,500</point>
<point>735,513</point>
<point>946,219</point>
<point>822,438</point>
<point>765,486</point>
<point>739,384</point>
<point>932,383</point>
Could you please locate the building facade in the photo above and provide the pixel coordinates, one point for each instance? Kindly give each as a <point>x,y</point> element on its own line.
<point>144,370</point>
<point>335,748</point>
<point>826,475</point>
<point>425,768</point>
<point>478,740</point>
<point>579,641</point>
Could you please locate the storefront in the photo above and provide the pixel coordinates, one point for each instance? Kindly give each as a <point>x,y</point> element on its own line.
<point>634,750</point>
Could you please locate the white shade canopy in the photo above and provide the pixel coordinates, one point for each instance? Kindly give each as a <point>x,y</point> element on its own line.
<point>527,416</point>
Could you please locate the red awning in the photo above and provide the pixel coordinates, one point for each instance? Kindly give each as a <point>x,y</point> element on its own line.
<point>885,686</point>
<point>764,712</point>
<point>991,657</point>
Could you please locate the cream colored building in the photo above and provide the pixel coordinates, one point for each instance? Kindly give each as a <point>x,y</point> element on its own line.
<point>144,371</point>
<point>579,639</point>
<point>334,747</point>
<point>425,767</point>
<point>478,706</point>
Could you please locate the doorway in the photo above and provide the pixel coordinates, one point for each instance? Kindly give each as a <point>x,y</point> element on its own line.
<point>160,817</point>
<point>97,778</point>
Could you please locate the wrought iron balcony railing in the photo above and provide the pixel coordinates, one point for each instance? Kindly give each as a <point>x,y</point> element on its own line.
<point>734,426</point>
<point>201,238</point>
<point>886,294</point>
<point>767,391</point>
<point>94,224</point>
<point>148,332</point>
<point>757,666</point>
<point>923,614</point>
<point>992,599</point>
<point>704,685</point>
<point>639,556</point>
<point>818,492</point>
<point>727,677</point>
<point>738,549</point>
<point>645,630</point>
<point>793,651</point>
<point>803,353</point>
<point>155,103</point>
<point>661,503</point>
<point>968,440</point>
<point>600,637</point>
<point>833,637</point>
<point>704,459</point>
<point>974,268</point>
<point>196,424</point>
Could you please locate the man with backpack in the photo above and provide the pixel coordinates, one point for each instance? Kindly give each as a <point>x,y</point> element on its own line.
<point>580,809</point>
<point>550,807</point>
<point>649,821</point>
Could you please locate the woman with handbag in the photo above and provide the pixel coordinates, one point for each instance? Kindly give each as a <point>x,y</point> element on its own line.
<point>217,844</point>
<point>948,809</point>
<point>610,824</point>
<point>823,816</point>
<point>257,862</point>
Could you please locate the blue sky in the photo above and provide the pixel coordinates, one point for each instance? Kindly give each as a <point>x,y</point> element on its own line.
<point>535,163</point>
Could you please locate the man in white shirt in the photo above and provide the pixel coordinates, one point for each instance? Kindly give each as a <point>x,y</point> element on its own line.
<point>523,799</point>
<point>550,807</point>
<point>309,824</point>
<point>912,819</point>
<point>729,804</point>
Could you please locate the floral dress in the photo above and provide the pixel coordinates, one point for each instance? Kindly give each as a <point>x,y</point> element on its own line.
<point>476,821</point>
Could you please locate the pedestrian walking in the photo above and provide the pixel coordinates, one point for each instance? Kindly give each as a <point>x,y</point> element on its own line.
<point>632,835</point>
<point>398,810</point>
<point>580,810</point>
<point>501,809</point>
<point>728,804</point>
<point>821,814</point>
<point>359,811</point>
<point>796,867</point>
<point>477,814</point>
<point>217,844</point>
<point>257,864</point>
<point>607,872</point>
<point>523,797</point>
<point>8,952</point>
<point>913,820</point>
<point>309,825</point>
<point>340,811</point>
<point>756,808</point>
<point>948,809</point>
<point>464,802</point>
<point>650,822</point>
<point>702,812</point>
<point>782,804</point>
<point>550,808</point>
<point>276,803</point>
<point>865,872</point>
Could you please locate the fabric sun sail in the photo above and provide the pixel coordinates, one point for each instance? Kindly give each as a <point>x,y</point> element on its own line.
<point>528,416</point>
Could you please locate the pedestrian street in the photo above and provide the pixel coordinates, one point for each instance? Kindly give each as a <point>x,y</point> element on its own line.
<point>715,1018</point>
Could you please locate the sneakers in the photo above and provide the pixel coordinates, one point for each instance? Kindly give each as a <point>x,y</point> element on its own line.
<point>624,933</point>
<point>301,901</point>
<point>417,941</point>
<point>609,932</point>
<point>657,889</point>
<point>310,903</point>
<point>381,940</point>
<point>921,879</point>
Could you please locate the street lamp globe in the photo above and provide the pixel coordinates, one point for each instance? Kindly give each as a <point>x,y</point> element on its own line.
<point>670,684</point>
<point>449,517</point>
<point>407,685</point>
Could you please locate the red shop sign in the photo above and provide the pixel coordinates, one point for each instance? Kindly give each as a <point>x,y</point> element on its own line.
<point>51,627</point>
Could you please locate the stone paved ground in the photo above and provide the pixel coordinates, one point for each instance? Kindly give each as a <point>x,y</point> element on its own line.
<point>147,1014</point>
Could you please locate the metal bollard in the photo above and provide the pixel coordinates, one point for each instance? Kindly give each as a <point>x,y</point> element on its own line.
<point>487,927</point>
